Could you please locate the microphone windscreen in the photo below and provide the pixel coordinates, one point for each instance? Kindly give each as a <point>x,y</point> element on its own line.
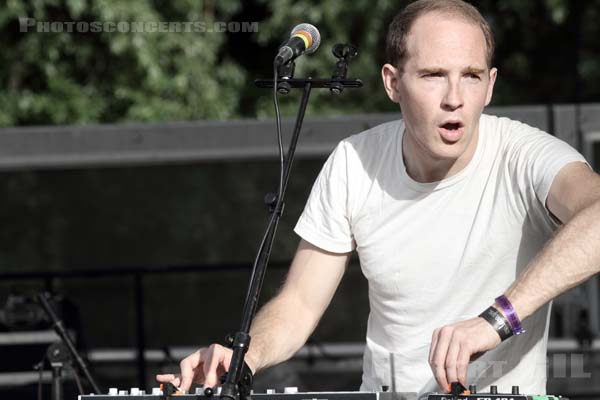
<point>314,34</point>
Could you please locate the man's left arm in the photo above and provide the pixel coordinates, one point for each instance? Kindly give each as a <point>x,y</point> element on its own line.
<point>568,259</point>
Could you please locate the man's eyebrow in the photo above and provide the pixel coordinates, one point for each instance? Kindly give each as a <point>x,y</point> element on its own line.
<point>431,70</point>
<point>474,70</point>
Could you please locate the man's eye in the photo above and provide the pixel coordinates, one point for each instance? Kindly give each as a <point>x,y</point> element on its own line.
<point>433,75</point>
<point>473,76</point>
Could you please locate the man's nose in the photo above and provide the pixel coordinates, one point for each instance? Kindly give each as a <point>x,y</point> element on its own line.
<point>453,98</point>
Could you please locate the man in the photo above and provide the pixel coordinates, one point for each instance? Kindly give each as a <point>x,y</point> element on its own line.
<point>448,210</point>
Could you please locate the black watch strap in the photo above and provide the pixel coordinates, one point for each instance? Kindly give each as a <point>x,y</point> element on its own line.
<point>498,322</point>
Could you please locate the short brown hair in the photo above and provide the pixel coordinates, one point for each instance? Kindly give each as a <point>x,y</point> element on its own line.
<point>395,45</point>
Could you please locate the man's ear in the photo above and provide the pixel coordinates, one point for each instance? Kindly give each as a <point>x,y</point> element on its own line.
<point>389,74</point>
<point>490,88</point>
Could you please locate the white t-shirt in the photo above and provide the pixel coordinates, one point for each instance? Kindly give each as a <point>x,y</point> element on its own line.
<point>438,253</point>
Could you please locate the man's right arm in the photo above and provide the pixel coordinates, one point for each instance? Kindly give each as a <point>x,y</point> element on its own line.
<point>282,326</point>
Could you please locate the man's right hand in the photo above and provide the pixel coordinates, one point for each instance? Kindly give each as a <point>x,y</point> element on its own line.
<point>205,366</point>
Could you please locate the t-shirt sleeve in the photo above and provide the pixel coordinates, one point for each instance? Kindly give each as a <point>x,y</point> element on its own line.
<point>325,221</point>
<point>536,157</point>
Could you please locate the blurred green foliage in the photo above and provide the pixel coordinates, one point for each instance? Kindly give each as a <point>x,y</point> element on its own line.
<point>547,52</point>
<point>76,78</point>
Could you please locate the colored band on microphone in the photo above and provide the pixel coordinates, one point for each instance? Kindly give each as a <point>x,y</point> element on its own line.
<point>305,36</point>
<point>498,322</point>
<point>511,315</point>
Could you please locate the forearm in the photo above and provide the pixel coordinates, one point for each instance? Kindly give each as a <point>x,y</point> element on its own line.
<point>568,259</point>
<point>282,326</point>
<point>279,330</point>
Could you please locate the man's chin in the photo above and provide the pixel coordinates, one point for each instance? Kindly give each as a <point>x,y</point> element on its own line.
<point>450,151</point>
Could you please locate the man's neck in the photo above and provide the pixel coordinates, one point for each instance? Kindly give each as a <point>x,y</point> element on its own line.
<point>423,167</point>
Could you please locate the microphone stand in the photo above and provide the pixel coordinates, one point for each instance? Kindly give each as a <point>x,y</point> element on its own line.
<point>238,380</point>
<point>59,327</point>
<point>58,358</point>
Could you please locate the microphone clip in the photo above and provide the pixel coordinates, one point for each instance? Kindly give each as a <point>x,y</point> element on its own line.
<point>344,53</point>
<point>285,72</point>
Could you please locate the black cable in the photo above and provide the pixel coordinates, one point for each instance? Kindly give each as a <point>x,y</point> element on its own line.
<point>279,138</point>
<point>277,206</point>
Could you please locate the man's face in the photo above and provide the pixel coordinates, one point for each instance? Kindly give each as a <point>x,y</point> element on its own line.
<point>443,87</point>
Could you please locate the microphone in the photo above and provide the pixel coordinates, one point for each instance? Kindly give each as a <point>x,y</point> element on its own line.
<point>305,38</point>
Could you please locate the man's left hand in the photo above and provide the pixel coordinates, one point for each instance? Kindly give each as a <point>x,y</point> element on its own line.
<point>453,346</point>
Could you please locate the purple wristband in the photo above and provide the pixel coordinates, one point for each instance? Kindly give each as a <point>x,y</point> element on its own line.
<point>511,315</point>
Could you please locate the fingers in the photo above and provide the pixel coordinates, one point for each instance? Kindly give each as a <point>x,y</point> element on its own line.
<point>217,359</point>
<point>175,379</point>
<point>451,365</point>
<point>462,363</point>
<point>204,366</point>
<point>438,357</point>
<point>434,340</point>
<point>452,347</point>
<point>189,367</point>
<point>210,369</point>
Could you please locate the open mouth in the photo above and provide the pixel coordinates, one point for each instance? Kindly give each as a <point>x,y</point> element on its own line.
<point>451,131</point>
<point>452,126</point>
